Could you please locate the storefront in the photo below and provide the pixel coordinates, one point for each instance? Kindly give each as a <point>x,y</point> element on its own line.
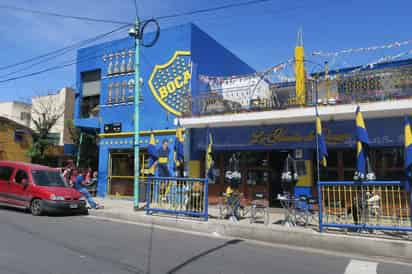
<point>263,150</point>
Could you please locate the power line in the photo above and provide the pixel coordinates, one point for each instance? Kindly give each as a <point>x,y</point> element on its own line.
<point>64,65</point>
<point>72,46</point>
<point>60,15</point>
<point>206,10</point>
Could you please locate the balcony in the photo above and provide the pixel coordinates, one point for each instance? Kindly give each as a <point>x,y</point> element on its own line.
<point>381,93</point>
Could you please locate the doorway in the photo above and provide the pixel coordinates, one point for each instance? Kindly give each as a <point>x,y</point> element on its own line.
<point>121,172</point>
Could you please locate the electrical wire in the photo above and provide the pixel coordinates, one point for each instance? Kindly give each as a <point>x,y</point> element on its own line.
<point>56,53</point>
<point>207,10</point>
<point>72,46</point>
<point>60,15</point>
<point>56,67</point>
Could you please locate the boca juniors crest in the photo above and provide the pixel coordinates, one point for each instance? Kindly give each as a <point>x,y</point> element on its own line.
<point>170,83</point>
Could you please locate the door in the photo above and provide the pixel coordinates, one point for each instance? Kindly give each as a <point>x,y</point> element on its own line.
<point>18,188</point>
<point>5,177</point>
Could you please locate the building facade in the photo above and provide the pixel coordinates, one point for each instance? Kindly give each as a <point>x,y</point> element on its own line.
<point>169,70</point>
<point>15,141</point>
<point>18,112</point>
<point>264,134</point>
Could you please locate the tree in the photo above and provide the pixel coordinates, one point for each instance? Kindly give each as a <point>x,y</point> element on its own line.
<point>46,112</point>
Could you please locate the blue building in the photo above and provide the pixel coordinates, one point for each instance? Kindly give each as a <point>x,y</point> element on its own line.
<point>105,91</point>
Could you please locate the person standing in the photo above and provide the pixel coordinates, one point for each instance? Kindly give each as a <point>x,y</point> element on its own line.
<point>163,160</point>
<point>80,185</point>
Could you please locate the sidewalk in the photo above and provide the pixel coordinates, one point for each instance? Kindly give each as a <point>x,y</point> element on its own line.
<point>308,237</point>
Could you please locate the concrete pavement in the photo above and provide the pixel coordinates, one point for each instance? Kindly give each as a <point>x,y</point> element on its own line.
<point>273,233</point>
<point>76,245</point>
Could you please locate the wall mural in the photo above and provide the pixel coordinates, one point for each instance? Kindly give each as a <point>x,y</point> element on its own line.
<point>170,83</point>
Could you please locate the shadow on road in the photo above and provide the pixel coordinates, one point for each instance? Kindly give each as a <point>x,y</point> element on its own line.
<point>203,254</point>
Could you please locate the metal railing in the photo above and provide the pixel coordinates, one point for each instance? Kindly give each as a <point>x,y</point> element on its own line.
<point>374,205</point>
<point>178,196</point>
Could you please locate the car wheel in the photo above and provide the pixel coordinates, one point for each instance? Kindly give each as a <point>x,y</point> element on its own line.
<point>36,207</point>
<point>85,212</point>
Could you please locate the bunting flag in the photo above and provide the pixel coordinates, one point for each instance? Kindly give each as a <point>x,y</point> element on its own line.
<point>153,154</point>
<point>179,147</point>
<point>209,155</point>
<point>395,44</point>
<point>322,150</point>
<point>362,143</point>
<point>408,145</point>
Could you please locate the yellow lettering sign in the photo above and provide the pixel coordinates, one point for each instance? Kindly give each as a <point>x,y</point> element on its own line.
<point>163,92</point>
<point>178,82</point>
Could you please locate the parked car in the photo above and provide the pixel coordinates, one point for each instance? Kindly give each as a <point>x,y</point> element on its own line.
<point>38,188</point>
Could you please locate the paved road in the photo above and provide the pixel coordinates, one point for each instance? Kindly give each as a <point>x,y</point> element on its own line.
<point>77,245</point>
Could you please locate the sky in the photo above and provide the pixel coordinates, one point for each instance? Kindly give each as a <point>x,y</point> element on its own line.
<point>262,34</point>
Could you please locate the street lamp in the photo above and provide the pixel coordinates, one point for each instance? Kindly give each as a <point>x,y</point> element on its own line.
<point>136,32</point>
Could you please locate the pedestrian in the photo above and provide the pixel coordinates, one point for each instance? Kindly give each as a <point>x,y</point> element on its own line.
<point>80,185</point>
<point>88,176</point>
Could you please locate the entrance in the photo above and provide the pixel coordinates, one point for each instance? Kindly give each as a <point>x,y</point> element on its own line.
<point>121,171</point>
<point>261,173</point>
<point>277,162</point>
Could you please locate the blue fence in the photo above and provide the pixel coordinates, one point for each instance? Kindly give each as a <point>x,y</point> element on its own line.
<point>178,196</point>
<point>374,205</point>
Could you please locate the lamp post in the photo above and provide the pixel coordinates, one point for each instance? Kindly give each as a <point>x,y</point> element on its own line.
<point>135,33</point>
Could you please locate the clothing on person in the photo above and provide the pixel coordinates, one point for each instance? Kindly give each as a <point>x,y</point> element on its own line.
<point>83,190</point>
<point>163,161</point>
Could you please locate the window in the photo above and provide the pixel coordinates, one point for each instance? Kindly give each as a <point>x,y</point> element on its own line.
<point>24,116</point>
<point>5,173</point>
<point>48,178</point>
<point>18,135</point>
<point>91,85</point>
<point>20,175</point>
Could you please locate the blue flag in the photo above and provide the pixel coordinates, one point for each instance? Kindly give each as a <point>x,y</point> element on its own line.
<point>179,147</point>
<point>408,144</point>
<point>209,155</point>
<point>362,143</point>
<point>322,150</point>
<point>153,154</point>
<point>361,133</point>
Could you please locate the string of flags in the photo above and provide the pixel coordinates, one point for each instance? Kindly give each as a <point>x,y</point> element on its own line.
<point>213,80</point>
<point>381,60</point>
<point>396,44</point>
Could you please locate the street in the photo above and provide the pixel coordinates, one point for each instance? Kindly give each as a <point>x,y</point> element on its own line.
<point>76,244</point>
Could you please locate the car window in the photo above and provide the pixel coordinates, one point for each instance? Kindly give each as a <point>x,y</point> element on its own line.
<point>5,173</point>
<point>48,178</point>
<point>20,175</point>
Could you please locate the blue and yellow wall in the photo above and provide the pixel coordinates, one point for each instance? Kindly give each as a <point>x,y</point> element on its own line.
<point>169,70</point>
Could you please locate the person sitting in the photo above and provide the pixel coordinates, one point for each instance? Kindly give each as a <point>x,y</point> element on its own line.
<point>81,186</point>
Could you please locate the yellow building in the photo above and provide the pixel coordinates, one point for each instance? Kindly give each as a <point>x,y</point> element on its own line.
<point>15,141</point>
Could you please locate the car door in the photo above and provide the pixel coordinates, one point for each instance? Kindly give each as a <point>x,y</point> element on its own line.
<point>5,177</point>
<point>18,188</point>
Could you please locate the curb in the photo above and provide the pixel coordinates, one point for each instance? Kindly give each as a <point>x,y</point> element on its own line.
<point>299,237</point>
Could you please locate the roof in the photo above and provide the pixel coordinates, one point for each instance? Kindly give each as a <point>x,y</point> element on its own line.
<point>9,121</point>
<point>16,102</point>
<point>385,65</point>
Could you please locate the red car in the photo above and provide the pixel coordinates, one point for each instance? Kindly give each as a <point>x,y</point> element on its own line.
<point>38,188</point>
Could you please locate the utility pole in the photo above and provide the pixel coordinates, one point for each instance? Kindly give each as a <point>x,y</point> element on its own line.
<point>135,32</point>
